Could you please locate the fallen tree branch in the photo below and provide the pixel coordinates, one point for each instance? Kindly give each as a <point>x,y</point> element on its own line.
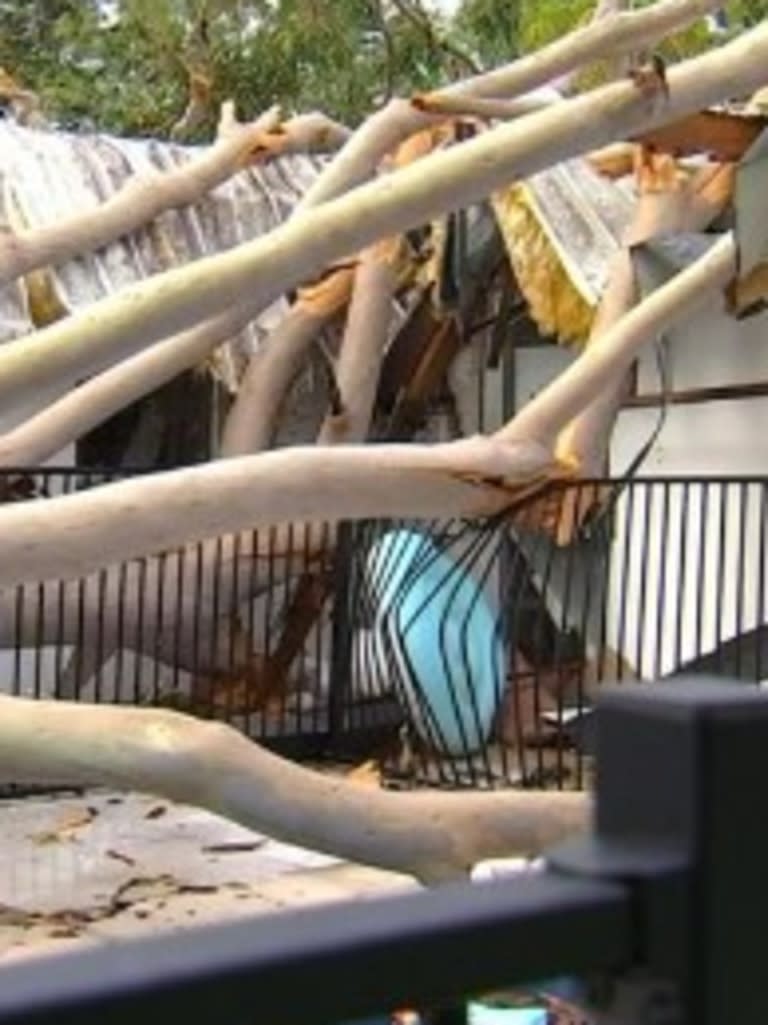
<point>602,363</point>
<point>68,536</point>
<point>362,347</point>
<point>669,203</point>
<point>445,104</point>
<point>251,422</point>
<point>143,198</point>
<point>433,836</point>
<point>41,436</point>
<point>370,284</point>
<point>115,328</point>
<point>618,33</point>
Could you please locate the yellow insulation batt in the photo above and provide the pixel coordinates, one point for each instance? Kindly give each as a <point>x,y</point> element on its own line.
<point>561,229</point>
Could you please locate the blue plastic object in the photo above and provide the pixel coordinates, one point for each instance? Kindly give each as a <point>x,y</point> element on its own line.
<point>481,1014</point>
<point>443,633</point>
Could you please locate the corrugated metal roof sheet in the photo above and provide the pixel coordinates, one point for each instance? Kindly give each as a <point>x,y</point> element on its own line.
<point>585,217</point>
<point>48,175</point>
<point>751,221</point>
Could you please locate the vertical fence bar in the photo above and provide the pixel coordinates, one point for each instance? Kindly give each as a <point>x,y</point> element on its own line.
<point>761,576</point>
<point>339,685</point>
<point>120,612</point>
<point>661,604</point>
<point>682,589</point>
<point>702,564</point>
<point>743,492</point>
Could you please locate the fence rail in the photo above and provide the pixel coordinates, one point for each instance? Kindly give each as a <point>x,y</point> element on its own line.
<point>454,653</point>
<point>661,910</point>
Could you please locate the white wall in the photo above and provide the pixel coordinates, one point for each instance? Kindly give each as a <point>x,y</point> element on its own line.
<point>725,438</point>
<point>689,574</point>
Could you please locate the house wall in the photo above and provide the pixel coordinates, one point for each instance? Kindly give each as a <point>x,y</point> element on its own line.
<point>725,438</point>
<point>724,530</point>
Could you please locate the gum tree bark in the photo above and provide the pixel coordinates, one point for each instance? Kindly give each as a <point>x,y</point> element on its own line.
<point>41,436</point>
<point>69,536</point>
<point>363,344</point>
<point>601,365</point>
<point>433,836</point>
<point>662,210</point>
<point>143,198</point>
<point>252,421</point>
<point>370,283</point>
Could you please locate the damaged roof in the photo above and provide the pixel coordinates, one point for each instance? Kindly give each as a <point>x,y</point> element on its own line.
<point>563,226</point>
<point>50,175</point>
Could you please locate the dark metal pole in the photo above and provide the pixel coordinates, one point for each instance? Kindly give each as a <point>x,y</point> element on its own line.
<point>333,964</point>
<point>340,683</point>
<point>682,817</point>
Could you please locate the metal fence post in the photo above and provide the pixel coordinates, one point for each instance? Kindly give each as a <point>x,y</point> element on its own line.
<point>682,816</point>
<point>341,634</point>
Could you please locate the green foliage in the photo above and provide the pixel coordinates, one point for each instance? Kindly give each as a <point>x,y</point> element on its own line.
<point>492,28</point>
<point>124,65</point>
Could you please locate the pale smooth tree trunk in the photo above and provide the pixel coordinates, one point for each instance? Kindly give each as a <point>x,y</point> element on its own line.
<point>70,417</point>
<point>143,198</point>
<point>601,365</point>
<point>433,836</point>
<point>665,207</point>
<point>252,421</point>
<point>363,345</point>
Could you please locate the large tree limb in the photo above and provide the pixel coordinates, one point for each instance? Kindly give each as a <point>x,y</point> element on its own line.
<point>362,347</point>
<point>251,423</point>
<point>69,536</point>
<point>618,33</point>
<point>40,437</point>
<point>669,203</point>
<point>602,363</point>
<point>143,198</point>
<point>356,377</point>
<point>434,836</point>
<point>115,328</point>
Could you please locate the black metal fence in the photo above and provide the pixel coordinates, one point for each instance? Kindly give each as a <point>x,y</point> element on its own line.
<point>197,628</point>
<point>496,636</point>
<point>660,912</point>
<point>454,653</point>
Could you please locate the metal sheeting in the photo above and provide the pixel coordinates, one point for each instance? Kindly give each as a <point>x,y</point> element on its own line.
<point>584,217</point>
<point>658,260</point>
<point>51,175</point>
<point>751,221</point>
<point>14,317</point>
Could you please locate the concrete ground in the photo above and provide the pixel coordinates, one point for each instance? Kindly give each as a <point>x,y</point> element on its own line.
<point>98,868</point>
